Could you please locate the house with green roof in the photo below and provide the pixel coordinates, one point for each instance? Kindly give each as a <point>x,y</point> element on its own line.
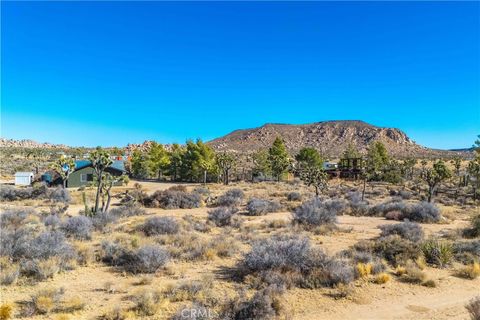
<point>84,173</point>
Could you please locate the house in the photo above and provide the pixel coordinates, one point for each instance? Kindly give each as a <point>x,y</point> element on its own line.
<point>330,166</point>
<point>51,178</point>
<point>84,172</point>
<point>23,178</point>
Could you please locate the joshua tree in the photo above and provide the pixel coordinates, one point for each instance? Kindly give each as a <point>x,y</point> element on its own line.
<point>434,176</point>
<point>108,182</point>
<point>225,162</point>
<point>315,176</point>
<point>473,169</point>
<point>64,167</point>
<point>100,161</point>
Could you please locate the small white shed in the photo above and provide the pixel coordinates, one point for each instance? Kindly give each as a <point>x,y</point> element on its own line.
<point>23,178</point>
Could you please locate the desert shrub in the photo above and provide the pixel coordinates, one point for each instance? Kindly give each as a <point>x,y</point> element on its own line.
<point>41,269</point>
<point>258,207</point>
<point>363,270</point>
<point>222,216</point>
<point>79,227</point>
<point>265,304</point>
<point>159,225</point>
<point>467,251</point>
<point>438,253</point>
<point>147,259</point>
<point>43,302</point>
<point>358,207</point>
<point>9,275</point>
<point>202,191</point>
<point>474,230</point>
<point>102,219</point>
<point>50,244</point>
<point>382,209</point>
<point>396,249</point>
<point>232,197</point>
<point>127,210</point>
<point>14,243</point>
<point>471,271</point>
<point>85,253</point>
<point>72,304</point>
<point>8,193</point>
<point>365,258</point>
<point>407,230</point>
<point>173,199</point>
<point>11,193</point>
<point>316,213</point>
<point>294,196</point>
<point>146,302</point>
<point>403,194</point>
<point>59,194</point>
<point>281,253</point>
<point>412,274</point>
<point>327,272</point>
<point>423,212</point>
<point>188,290</point>
<point>473,308</point>
<point>6,311</point>
<point>178,187</point>
<point>382,278</point>
<point>52,221</point>
<point>294,255</point>
<point>16,218</point>
<point>196,225</point>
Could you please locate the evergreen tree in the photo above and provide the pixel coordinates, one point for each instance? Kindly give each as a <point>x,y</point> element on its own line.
<point>139,164</point>
<point>351,152</point>
<point>309,157</point>
<point>175,161</point>
<point>278,158</point>
<point>261,165</point>
<point>158,160</point>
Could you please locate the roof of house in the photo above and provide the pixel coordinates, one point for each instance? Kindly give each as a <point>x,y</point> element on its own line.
<point>117,164</point>
<point>23,174</point>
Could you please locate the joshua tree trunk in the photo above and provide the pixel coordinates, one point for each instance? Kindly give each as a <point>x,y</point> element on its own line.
<point>364,187</point>
<point>205,177</point>
<point>97,196</point>
<point>431,190</point>
<point>105,209</point>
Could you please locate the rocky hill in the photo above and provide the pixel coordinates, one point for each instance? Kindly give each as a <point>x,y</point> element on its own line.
<point>11,143</point>
<point>329,137</point>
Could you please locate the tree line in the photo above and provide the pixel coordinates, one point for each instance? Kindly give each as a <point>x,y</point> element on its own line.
<point>198,162</point>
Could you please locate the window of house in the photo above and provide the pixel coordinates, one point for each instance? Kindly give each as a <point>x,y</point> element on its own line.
<point>83,177</point>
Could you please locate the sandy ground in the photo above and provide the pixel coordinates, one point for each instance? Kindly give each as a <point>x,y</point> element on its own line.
<point>393,300</point>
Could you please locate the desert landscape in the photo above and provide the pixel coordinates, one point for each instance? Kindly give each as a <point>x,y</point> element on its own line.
<point>240,160</point>
<point>301,242</point>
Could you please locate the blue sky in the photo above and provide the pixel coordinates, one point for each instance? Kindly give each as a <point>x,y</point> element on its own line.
<point>109,73</point>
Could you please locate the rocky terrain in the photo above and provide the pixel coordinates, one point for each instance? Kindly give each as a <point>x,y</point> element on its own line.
<point>329,137</point>
<point>27,143</point>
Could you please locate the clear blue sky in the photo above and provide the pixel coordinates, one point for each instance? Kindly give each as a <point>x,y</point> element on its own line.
<point>109,73</point>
